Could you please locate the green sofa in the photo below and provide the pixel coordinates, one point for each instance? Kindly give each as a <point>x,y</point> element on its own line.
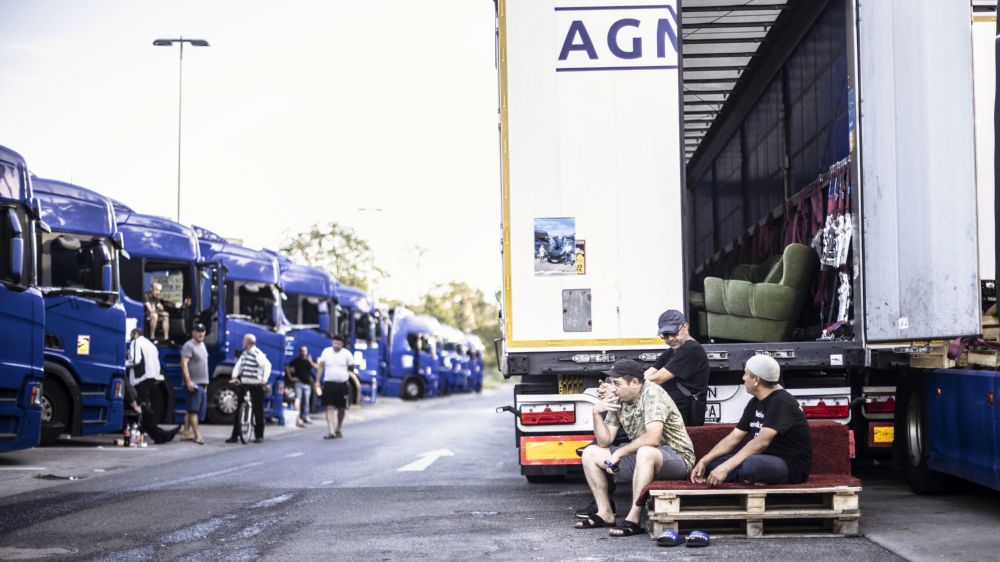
<point>766,311</point>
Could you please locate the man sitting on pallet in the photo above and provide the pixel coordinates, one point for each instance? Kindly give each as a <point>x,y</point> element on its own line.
<point>660,447</point>
<point>780,447</point>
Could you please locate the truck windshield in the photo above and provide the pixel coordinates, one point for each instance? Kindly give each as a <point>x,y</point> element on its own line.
<point>76,263</point>
<point>363,326</point>
<point>302,309</point>
<point>251,301</point>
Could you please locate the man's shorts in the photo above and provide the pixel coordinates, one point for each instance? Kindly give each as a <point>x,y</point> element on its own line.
<point>197,401</point>
<point>335,394</point>
<point>673,467</point>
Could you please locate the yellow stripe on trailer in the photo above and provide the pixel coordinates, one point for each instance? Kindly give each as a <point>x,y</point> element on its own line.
<point>552,449</point>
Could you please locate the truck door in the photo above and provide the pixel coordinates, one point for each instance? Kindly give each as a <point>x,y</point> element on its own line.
<point>914,153</point>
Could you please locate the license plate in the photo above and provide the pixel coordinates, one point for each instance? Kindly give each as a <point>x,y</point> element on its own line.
<point>713,412</point>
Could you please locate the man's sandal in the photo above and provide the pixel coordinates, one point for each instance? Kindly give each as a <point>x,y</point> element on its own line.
<point>627,530</point>
<point>670,537</point>
<point>698,538</point>
<point>593,522</point>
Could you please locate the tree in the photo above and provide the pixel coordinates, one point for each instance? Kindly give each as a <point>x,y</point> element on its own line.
<point>459,305</point>
<point>337,249</point>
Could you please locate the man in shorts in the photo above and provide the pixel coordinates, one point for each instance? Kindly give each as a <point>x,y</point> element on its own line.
<point>659,446</point>
<point>194,367</point>
<point>334,370</point>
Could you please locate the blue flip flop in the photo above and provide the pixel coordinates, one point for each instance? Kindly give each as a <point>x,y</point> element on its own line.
<point>670,537</point>
<point>697,538</point>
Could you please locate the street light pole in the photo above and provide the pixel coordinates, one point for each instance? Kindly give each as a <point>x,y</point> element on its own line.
<point>180,99</point>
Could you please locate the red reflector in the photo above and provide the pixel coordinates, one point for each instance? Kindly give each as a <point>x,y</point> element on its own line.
<point>822,411</point>
<point>887,406</point>
<point>548,417</point>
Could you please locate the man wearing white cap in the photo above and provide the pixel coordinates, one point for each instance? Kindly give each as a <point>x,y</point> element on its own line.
<point>780,446</point>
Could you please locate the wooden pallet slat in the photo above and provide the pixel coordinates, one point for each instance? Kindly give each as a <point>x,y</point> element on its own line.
<point>757,512</point>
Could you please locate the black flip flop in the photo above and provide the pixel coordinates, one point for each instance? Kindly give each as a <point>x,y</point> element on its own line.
<point>627,530</point>
<point>593,522</point>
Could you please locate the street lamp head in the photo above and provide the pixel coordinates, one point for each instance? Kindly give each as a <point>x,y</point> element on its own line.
<point>199,43</point>
<point>162,43</point>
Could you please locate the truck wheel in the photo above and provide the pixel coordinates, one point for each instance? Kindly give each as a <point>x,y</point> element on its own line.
<point>544,478</point>
<point>222,401</point>
<point>412,389</point>
<point>355,393</point>
<point>55,411</point>
<point>922,479</point>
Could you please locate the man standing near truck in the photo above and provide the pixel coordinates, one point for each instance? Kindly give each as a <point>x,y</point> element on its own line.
<point>194,367</point>
<point>659,448</point>
<point>682,370</point>
<point>333,371</point>
<point>780,446</point>
<point>251,372</point>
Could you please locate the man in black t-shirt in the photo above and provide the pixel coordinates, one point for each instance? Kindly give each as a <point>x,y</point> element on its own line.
<point>681,370</point>
<point>780,446</point>
<point>300,372</point>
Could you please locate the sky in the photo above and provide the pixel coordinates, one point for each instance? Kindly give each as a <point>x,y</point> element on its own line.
<point>380,115</point>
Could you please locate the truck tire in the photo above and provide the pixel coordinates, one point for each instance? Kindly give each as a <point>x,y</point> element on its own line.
<point>916,443</point>
<point>222,401</point>
<point>55,411</point>
<point>412,389</point>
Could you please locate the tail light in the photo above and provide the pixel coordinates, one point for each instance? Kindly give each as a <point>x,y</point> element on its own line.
<point>880,405</point>
<point>822,411</point>
<point>548,414</point>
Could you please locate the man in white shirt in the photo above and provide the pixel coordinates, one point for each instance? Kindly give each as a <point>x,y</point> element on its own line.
<point>142,360</point>
<point>334,370</point>
<point>251,372</point>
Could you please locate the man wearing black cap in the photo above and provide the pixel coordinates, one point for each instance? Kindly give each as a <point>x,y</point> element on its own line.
<point>659,447</point>
<point>682,370</point>
<point>194,367</point>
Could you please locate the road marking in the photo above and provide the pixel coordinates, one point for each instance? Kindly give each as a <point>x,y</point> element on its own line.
<point>293,455</point>
<point>22,468</point>
<point>273,501</point>
<point>425,460</point>
<point>213,474</point>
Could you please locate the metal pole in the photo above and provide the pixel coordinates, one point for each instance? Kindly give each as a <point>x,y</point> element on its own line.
<point>180,98</point>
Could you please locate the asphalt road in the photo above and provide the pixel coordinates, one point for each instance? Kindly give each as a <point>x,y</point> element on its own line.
<point>297,497</point>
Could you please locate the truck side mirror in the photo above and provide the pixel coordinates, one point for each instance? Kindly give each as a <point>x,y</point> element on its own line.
<point>107,278</point>
<point>17,259</point>
<point>16,247</point>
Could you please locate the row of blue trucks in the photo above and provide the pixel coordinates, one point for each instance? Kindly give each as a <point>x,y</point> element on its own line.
<point>77,266</point>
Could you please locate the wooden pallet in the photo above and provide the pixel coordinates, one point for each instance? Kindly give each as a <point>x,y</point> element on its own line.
<point>757,512</point>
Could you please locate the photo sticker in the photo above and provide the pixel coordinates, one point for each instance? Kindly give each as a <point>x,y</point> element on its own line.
<point>555,246</point>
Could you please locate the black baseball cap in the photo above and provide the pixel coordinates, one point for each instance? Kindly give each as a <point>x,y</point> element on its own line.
<point>198,327</point>
<point>670,322</point>
<point>624,367</point>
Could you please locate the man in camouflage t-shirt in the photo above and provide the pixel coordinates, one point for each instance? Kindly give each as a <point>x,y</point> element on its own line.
<point>659,448</point>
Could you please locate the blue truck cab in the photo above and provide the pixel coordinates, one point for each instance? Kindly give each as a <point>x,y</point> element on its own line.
<point>22,308</point>
<point>359,324</point>
<point>245,301</point>
<point>454,363</point>
<point>475,350</point>
<point>308,310</point>
<point>84,342</point>
<point>165,252</point>
<point>413,364</point>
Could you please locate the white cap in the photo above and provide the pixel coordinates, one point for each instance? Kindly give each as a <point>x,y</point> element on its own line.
<point>764,367</point>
